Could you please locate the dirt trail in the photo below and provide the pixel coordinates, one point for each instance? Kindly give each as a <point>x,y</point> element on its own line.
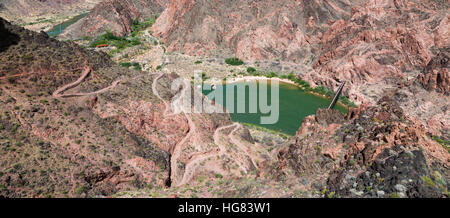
<point>241,146</point>
<point>190,167</point>
<point>86,71</point>
<point>175,151</point>
<point>155,91</point>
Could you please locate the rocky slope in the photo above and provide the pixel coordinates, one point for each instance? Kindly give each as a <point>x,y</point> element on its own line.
<point>375,151</point>
<point>73,123</point>
<point>114,15</point>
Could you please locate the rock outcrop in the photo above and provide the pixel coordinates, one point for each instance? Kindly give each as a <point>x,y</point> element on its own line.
<point>436,76</point>
<point>377,153</point>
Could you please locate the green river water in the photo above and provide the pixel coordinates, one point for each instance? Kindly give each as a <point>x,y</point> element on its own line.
<point>294,105</point>
<point>56,30</point>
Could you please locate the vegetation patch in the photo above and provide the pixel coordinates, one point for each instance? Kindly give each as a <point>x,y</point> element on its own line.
<point>322,90</point>
<point>139,26</point>
<point>251,70</point>
<point>234,61</point>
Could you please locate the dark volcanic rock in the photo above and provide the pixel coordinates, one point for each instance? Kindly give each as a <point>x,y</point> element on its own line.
<point>377,153</point>
<point>7,37</point>
<point>395,173</point>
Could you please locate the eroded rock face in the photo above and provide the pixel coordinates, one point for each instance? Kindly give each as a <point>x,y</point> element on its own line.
<point>368,44</point>
<point>114,15</point>
<point>379,153</point>
<point>252,30</point>
<point>436,76</point>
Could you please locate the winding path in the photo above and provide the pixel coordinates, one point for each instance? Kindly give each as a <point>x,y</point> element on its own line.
<point>176,150</point>
<point>86,71</point>
<point>240,145</point>
<point>190,167</point>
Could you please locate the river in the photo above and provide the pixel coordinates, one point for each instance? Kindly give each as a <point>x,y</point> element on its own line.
<point>57,29</point>
<point>294,106</point>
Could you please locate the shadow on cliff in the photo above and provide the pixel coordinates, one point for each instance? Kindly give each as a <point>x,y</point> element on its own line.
<point>7,38</point>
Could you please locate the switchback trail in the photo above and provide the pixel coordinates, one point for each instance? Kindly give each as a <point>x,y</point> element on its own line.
<point>86,71</point>
<point>240,145</point>
<point>176,150</point>
<point>190,167</point>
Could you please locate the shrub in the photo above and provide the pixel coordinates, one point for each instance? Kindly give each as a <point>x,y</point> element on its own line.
<point>44,101</point>
<point>137,66</point>
<point>204,77</point>
<point>138,26</point>
<point>80,190</point>
<point>291,76</point>
<point>14,128</point>
<point>11,80</point>
<point>27,56</point>
<point>251,70</point>
<point>234,61</point>
<point>198,62</point>
<point>324,91</point>
<point>125,64</point>
<point>271,75</point>
<point>135,41</point>
<point>346,101</point>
